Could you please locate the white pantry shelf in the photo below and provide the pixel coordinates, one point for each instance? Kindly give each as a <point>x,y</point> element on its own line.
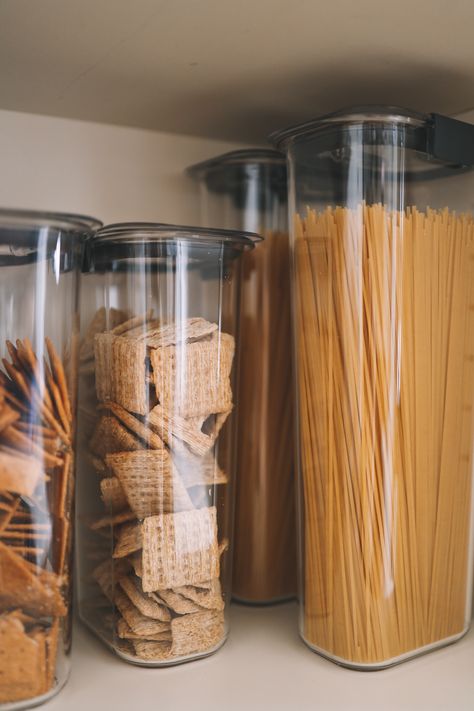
<point>264,666</point>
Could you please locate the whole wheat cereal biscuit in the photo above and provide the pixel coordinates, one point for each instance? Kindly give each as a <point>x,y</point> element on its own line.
<point>193,379</point>
<point>136,563</point>
<point>138,623</point>
<point>113,494</point>
<point>198,632</point>
<point>129,539</point>
<point>132,324</point>
<point>109,573</point>
<point>125,632</point>
<point>121,372</point>
<point>101,321</point>
<point>179,549</point>
<point>112,520</point>
<point>19,473</point>
<point>151,439</point>
<point>169,334</point>
<point>22,662</point>
<point>209,598</point>
<point>146,605</point>
<point>21,588</point>
<point>111,436</point>
<point>199,471</point>
<point>176,602</point>
<point>175,430</point>
<point>152,651</point>
<point>150,482</point>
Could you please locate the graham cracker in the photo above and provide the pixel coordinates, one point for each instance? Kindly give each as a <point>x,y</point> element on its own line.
<point>176,602</point>
<point>150,482</point>
<point>152,651</point>
<point>21,588</point>
<point>22,662</point>
<point>209,598</point>
<point>121,372</point>
<point>113,494</point>
<point>138,623</point>
<point>179,549</point>
<point>129,540</point>
<point>146,605</point>
<point>199,471</point>
<point>125,632</point>
<point>193,379</point>
<point>19,473</point>
<point>168,334</point>
<point>198,632</point>
<point>111,436</point>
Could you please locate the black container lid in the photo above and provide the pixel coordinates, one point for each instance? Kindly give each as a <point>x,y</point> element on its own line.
<point>442,138</point>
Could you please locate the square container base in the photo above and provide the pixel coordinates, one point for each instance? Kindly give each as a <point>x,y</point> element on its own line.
<point>379,666</point>
<point>149,664</point>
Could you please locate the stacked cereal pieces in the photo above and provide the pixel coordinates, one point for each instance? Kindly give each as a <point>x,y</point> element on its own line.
<point>35,486</point>
<point>163,395</point>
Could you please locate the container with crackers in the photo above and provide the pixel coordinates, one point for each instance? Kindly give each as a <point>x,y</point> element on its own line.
<point>157,407</point>
<point>40,257</point>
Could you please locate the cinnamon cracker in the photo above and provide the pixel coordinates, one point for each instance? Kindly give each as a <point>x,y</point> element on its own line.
<point>113,494</point>
<point>208,597</point>
<point>135,425</point>
<point>111,436</point>
<point>129,540</point>
<point>20,587</point>
<point>138,623</point>
<point>125,632</point>
<point>198,632</point>
<point>192,329</point>
<point>152,651</point>
<point>121,372</point>
<point>193,379</point>
<point>146,605</point>
<point>22,662</point>
<point>176,602</point>
<point>150,482</point>
<point>179,549</point>
<point>19,473</point>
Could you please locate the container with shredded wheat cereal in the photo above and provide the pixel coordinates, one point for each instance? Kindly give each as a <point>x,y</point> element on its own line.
<point>157,402</point>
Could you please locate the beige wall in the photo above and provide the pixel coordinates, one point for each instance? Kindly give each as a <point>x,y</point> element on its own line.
<point>110,172</point>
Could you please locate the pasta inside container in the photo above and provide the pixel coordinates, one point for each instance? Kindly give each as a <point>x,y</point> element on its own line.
<point>383,245</point>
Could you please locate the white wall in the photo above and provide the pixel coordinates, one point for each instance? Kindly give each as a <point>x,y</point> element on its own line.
<point>110,172</point>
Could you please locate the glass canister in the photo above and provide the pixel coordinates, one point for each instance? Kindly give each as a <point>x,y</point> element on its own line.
<point>40,257</point>
<point>383,252</point>
<point>247,189</point>
<point>156,427</point>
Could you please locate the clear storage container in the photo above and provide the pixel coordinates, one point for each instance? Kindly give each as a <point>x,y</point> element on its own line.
<point>157,374</point>
<point>247,189</point>
<point>40,256</point>
<point>383,249</point>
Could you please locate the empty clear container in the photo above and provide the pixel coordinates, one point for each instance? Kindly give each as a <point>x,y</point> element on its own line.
<point>157,395</point>
<point>383,254</point>
<point>40,257</point>
<point>247,189</point>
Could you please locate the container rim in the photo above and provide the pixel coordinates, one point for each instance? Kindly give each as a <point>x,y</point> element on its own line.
<point>240,156</point>
<point>155,232</point>
<point>351,115</point>
<point>66,221</point>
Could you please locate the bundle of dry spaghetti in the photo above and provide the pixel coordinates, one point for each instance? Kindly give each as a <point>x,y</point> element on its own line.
<point>385,325</point>
<point>264,541</point>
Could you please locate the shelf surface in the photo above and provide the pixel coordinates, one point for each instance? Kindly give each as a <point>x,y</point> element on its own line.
<point>232,70</point>
<point>264,665</point>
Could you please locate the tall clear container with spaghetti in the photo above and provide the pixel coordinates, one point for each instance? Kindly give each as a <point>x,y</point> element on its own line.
<point>156,438</point>
<point>247,189</point>
<point>40,257</point>
<point>383,251</point>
